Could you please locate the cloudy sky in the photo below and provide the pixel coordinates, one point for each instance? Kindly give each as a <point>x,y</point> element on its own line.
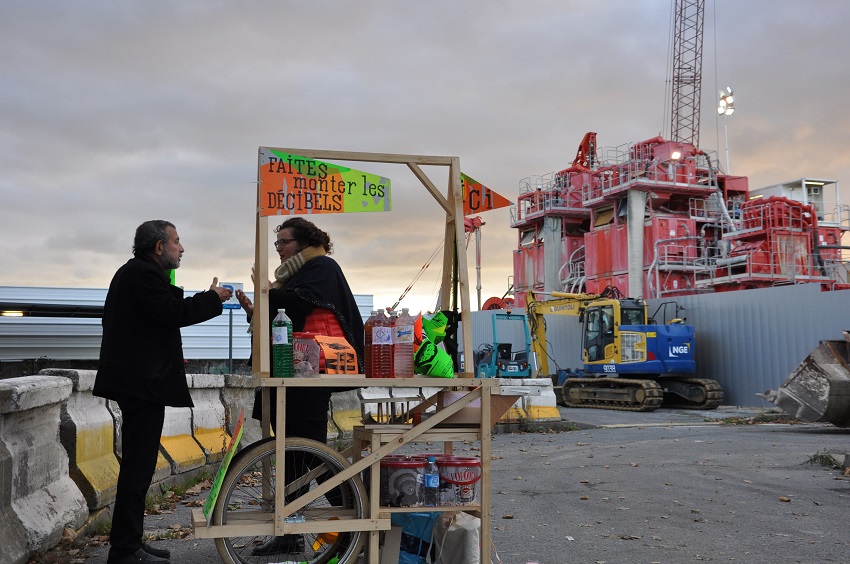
<point>113,113</point>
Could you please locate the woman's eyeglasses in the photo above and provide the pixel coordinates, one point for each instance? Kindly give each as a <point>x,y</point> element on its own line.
<point>282,242</point>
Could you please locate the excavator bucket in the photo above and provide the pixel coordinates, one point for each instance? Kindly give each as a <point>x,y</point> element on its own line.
<point>818,390</point>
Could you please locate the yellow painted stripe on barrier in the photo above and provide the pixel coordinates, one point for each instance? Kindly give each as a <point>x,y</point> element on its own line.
<point>346,419</point>
<point>183,450</point>
<point>513,415</point>
<point>543,413</point>
<point>94,442</point>
<point>101,473</point>
<point>162,472</point>
<point>215,441</point>
<point>162,464</point>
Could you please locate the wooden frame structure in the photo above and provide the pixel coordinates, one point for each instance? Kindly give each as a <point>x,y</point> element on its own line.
<point>452,204</point>
<point>381,441</point>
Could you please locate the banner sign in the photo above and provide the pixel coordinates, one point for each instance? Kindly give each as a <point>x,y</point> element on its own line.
<point>293,185</point>
<point>478,198</point>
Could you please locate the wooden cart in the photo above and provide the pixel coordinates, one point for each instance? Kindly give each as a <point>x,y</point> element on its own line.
<point>483,401</point>
<point>492,404</point>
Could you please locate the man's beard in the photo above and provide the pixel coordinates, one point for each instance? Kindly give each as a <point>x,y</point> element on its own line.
<point>170,262</point>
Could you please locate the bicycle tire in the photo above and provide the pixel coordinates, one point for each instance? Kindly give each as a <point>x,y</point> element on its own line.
<point>242,490</point>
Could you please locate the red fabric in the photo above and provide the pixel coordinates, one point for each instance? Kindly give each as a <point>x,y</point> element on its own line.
<point>322,321</point>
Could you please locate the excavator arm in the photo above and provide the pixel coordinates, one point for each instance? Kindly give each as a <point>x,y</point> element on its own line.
<point>561,303</point>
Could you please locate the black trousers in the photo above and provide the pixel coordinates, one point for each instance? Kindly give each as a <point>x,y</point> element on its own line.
<point>141,432</point>
<point>306,412</point>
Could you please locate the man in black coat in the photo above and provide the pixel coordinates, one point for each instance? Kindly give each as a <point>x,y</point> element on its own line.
<point>142,368</point>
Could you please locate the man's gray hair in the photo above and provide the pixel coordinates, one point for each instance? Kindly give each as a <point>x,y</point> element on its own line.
<point>148,234</point>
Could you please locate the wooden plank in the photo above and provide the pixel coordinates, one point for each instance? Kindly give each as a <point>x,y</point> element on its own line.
<point>392,546</point>
<point>263,524</point>
<point>392,158</point>
<point>387,511</point>
<point>434,435</point>
<point>485,481</point>
<point>260,525</point>
<point>456,190</point>
<point>359,380</point>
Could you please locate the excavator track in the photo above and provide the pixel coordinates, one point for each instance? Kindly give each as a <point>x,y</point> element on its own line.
<point>612,393</point>
<point>692,393</point>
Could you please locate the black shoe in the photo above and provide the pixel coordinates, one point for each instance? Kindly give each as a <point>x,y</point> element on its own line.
<point>159,552</point>
<point>287,544</point>
<point>140,556</point>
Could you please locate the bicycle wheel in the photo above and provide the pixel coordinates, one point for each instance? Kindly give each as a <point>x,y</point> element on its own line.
<point>248,492</point>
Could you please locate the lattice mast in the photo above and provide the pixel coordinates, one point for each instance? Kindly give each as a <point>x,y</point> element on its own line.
<point>688,20</point>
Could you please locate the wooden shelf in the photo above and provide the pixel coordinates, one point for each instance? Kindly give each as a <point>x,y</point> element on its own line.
<point>384,510</point>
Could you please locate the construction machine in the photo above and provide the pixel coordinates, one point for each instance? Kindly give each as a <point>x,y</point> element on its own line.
<point>818,390</point>
<point>497,360</point>
<point>629,362</point>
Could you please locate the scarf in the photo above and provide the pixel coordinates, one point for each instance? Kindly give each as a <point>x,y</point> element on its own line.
<point>290,266</point>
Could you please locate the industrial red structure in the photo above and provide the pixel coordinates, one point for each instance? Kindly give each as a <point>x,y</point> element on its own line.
<point>659,218</point>
<point>697,230</point>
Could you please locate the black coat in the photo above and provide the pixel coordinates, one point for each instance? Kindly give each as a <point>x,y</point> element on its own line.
<point>141,354</point>
<point>319,283</point>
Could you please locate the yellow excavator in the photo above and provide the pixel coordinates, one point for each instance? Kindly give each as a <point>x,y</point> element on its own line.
<point>629,362</point>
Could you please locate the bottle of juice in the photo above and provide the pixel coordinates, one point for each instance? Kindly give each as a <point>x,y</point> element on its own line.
<point>382,347</point>
<point>403,345</point>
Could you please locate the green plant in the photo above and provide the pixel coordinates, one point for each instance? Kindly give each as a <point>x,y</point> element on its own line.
<point>101,528</point>
<point>825,459</point>
<point>766,417</point>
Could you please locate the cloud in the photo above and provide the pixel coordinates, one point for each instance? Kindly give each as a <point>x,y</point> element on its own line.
<point>112,114</point>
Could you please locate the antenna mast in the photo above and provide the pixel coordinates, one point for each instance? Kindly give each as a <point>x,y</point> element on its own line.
<point>687,70</point>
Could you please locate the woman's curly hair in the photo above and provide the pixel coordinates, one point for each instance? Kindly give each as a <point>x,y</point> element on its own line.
<point>306,233</point>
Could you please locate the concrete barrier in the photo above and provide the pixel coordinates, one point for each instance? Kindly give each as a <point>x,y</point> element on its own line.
<point>542,407</point>
<point>179,447</point>
<point>86,431</point>
<point>12,534</point>
<point>344,413</point>
<point>238,394</point>
<point>208,419</point>
<point>43,496</point>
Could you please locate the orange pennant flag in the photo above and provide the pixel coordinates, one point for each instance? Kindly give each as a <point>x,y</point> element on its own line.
<point>478,198</point>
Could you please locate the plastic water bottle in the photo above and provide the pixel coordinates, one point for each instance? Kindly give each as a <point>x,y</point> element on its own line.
<point>367,344</point>
<point>403,345</point>
<point>282,346</point>
<point>431,491</point>
<point>382,347</point>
